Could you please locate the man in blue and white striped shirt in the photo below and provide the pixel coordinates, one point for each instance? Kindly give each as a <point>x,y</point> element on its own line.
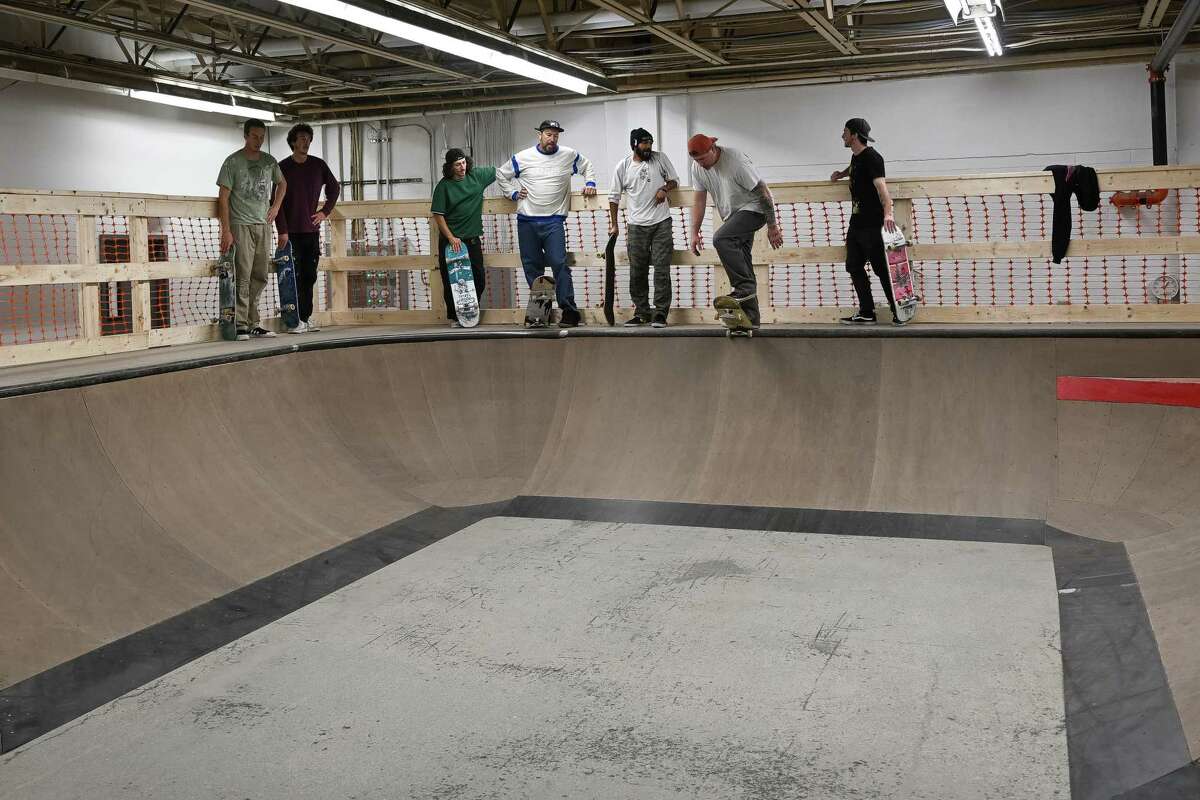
<point>539,179</point>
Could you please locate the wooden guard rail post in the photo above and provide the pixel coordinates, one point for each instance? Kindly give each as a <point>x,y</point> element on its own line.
<point>86,272</point>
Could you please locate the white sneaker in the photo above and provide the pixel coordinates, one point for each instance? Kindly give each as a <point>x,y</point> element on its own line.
<point>310,326</point>
<point>300,328</point>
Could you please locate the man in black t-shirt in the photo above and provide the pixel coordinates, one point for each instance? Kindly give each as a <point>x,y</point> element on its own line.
<point>871,212</point>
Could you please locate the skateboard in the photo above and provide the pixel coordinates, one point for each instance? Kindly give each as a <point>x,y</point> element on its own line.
<point>462,285</point>
<point>541,302</point>
<point>227,281</point>
<point>289,297</point>
<point>729,311</point>
<point>900,273</point>
<point>610,279</point>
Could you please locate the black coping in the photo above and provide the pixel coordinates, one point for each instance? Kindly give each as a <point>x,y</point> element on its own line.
<point>1124,736</point>
<point>355,339</point>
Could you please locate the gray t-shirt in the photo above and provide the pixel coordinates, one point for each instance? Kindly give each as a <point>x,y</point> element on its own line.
<point>730,181</point>
<point>641,180</point>
<point>249,184</point>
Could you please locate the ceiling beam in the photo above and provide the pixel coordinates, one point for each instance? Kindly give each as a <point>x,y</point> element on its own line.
<point>83,70</point>
<point>647,24</point>
<point>1148,13</point>
<point>826,30</point>
<point>279,23</point>
<point>551,39</point>
<point>164,40</point>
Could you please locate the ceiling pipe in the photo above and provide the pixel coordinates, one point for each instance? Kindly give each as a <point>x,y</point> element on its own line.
<point>1158,77</point>
<point>1176,36</point>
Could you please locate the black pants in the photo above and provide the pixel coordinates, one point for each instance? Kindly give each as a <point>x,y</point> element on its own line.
<point>306,251</point>
<point>865,244</point>
<point>475,251</point>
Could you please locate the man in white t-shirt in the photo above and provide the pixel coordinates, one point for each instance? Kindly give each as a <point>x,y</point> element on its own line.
<point>646,177</point>
<point>745,204</point>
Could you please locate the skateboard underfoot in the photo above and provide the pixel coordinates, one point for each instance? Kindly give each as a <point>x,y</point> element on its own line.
<point>733,316</point>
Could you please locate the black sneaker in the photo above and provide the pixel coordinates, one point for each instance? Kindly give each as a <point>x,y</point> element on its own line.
<point>570,318</point>
<point>740,296</point>
<point>660,320</point>
<point>858,319</point>
<point>261,333</point>
<point>637,320</point>
<point>899,322</point>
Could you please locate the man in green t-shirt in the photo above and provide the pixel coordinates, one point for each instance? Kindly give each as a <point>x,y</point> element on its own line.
<point>247,213</point>
<point>458,211</point>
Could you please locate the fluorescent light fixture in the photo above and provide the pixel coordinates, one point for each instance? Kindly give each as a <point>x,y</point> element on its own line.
<point>955,7</point>
<point>440,41</point>
<point>202,105</point>
<point>987,32</point>
<point>225,90</point>
<point>981,12</point>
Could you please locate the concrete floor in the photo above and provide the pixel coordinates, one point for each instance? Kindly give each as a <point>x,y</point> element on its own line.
<point>533,658</point>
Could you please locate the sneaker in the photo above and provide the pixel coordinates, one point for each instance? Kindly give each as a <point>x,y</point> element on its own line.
<point>301,328</point>
<point>740,296</point>
<point>660,321</point>
<point>455,323</point>
<point>858,319</point>
<point>260,332</point>
<point>637,320</point>
<point>570,318</point>
<point>311,327</point>
<point>243,336</point>
<point>899,322</point>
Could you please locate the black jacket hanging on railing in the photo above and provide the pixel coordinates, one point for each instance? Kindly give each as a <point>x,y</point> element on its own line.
<point>1070,180</point>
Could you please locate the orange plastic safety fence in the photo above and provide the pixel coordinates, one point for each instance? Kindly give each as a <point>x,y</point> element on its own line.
<point>1092,280</point>
<point>38,313</point>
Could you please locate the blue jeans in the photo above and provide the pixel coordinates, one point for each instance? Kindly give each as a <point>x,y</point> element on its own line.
<point>543,240</point>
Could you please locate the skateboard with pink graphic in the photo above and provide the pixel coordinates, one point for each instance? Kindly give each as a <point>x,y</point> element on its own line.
<point>900,273</point>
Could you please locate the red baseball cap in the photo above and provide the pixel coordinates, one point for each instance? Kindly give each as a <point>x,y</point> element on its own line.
<point>700,144</point>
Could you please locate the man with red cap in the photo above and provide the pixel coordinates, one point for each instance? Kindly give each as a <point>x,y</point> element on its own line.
<point>871,211</point>
<point>745,204</point>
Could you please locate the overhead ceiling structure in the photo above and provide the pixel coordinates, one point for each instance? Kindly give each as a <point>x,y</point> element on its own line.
<point>325,60</point>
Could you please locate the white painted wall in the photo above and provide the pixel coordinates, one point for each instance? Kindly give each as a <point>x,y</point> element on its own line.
<point>951,124</point>
<point>971,123</point>
<point>67,139</point>
<point>58,138</point>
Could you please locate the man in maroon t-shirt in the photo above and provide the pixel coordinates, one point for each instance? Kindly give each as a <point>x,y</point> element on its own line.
<point>306,175</point>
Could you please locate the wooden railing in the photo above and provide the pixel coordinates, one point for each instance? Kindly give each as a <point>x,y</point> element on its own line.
<point>1171,235</point>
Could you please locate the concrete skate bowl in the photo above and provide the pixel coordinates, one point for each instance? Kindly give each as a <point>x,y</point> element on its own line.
<point>149,520</point>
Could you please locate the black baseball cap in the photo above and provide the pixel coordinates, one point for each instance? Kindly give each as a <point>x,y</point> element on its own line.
<point>550,125</point>
<point>860,127</point>
<point>454,154</point>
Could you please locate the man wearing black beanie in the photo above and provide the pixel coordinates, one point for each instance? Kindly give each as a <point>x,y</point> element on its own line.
<point>646,177</point>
